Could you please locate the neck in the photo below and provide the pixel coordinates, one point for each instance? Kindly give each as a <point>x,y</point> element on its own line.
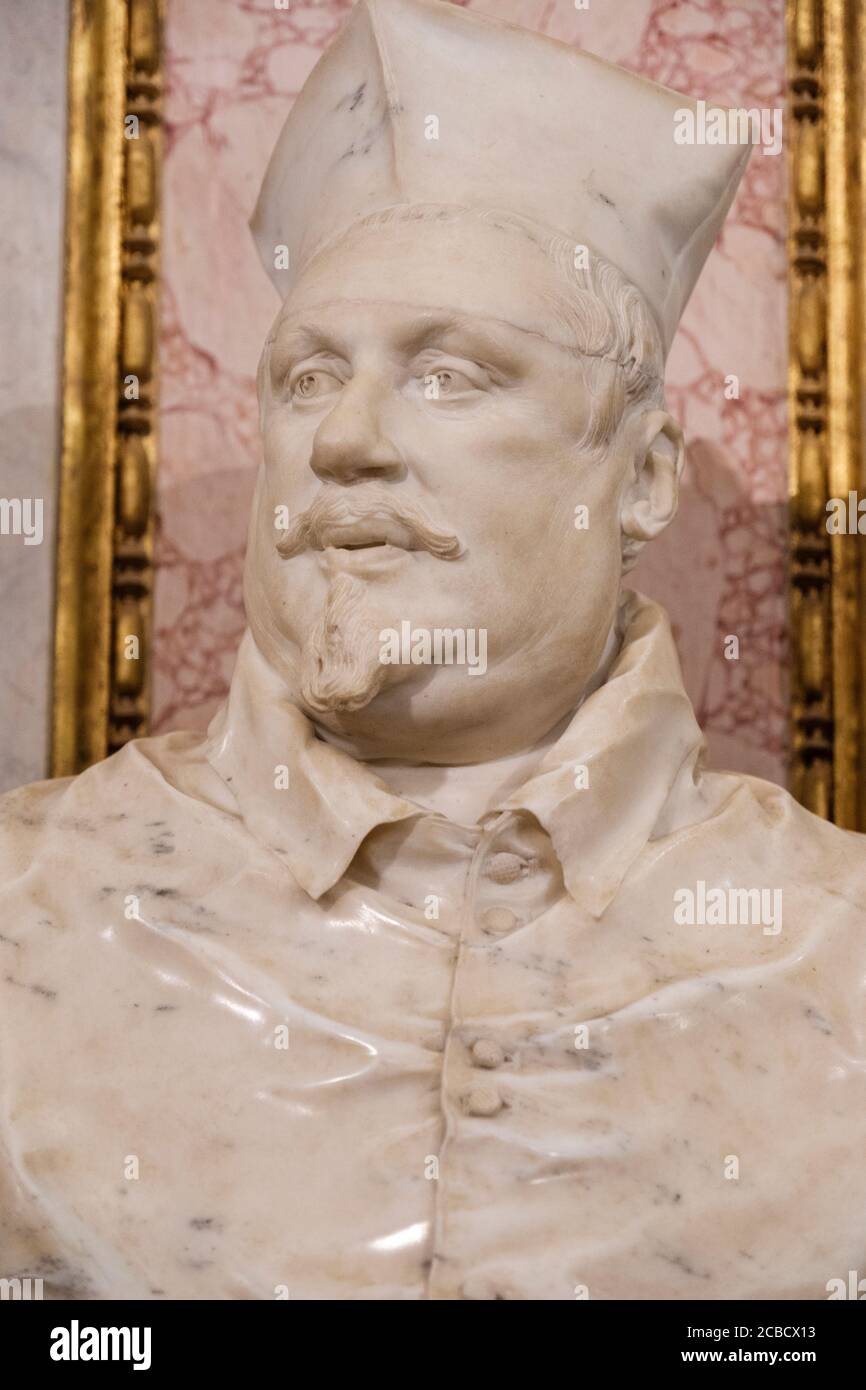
<point>464,791</point>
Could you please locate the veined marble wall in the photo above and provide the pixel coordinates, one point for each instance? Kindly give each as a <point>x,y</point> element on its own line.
<point>32,178</point>
<point>233,69</point>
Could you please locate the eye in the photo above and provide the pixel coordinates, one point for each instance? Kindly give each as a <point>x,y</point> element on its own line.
<point>310,384</point>
<point>448,383</point>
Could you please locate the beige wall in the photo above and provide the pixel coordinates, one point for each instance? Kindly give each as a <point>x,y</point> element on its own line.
<point>32,164</point>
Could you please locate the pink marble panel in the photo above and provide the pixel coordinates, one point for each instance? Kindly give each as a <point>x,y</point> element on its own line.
<point>233,69</point>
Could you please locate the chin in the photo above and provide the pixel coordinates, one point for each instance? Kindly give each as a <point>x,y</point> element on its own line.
<point>381,727</point>
<point>412,718</point>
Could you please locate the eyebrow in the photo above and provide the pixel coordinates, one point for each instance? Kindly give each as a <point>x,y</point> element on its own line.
<point>470,331</point>
<point>305,339</point>
<point>308,338</point>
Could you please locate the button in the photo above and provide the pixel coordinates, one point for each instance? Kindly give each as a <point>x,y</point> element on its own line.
<point>487,1053</point>
<point>482,1100</point>
<point>499,919</point>
<point>507,868</point>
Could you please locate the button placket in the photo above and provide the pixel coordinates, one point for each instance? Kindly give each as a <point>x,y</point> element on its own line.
<point>482,1098</point>
<point>476,1098</point>
<point>519,881</point>
<point>512,870</point>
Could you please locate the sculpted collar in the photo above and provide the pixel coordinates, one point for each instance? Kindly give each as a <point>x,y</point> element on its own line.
<point>636,736</point>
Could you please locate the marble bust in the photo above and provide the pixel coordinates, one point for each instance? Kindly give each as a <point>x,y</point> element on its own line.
<point>440,967</point>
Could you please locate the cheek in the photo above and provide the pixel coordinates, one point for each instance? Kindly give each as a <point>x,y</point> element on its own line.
<point>287,444</point>
<point>534,493</point>
<point>496,477</point>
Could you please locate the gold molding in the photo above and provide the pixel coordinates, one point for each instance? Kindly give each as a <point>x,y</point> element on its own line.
<point>826,393</point>
<point>106,515</point>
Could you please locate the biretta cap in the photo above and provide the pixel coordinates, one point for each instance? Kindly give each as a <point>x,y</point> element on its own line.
<point>525,124</point>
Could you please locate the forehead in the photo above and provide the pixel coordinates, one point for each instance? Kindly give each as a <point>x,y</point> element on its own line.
<point>461,267</point>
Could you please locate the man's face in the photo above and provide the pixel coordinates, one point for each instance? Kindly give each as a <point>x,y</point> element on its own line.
<point>422,406</point>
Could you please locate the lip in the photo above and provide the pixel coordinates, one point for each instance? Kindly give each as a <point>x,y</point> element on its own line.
<point>367,559</point>
<point>386,534</point>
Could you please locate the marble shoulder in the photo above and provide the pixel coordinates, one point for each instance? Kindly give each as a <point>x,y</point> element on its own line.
<point>799,846</point>
<point>26,814</point>
<point>49,823</point>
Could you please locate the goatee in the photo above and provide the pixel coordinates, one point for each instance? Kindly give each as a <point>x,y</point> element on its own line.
<point>340,669</point>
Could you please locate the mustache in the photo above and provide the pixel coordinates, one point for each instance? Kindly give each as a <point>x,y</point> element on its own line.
<point>389,518</point>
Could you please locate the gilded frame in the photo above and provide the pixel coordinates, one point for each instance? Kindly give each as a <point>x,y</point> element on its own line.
<point>105,546</point>
<point>104,567</point>
<point>826,398</point>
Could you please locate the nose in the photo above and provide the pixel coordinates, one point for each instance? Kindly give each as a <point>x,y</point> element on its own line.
<point>350,445</point>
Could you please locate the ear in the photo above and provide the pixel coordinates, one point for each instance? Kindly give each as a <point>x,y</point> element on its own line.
<point>650,496</point>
